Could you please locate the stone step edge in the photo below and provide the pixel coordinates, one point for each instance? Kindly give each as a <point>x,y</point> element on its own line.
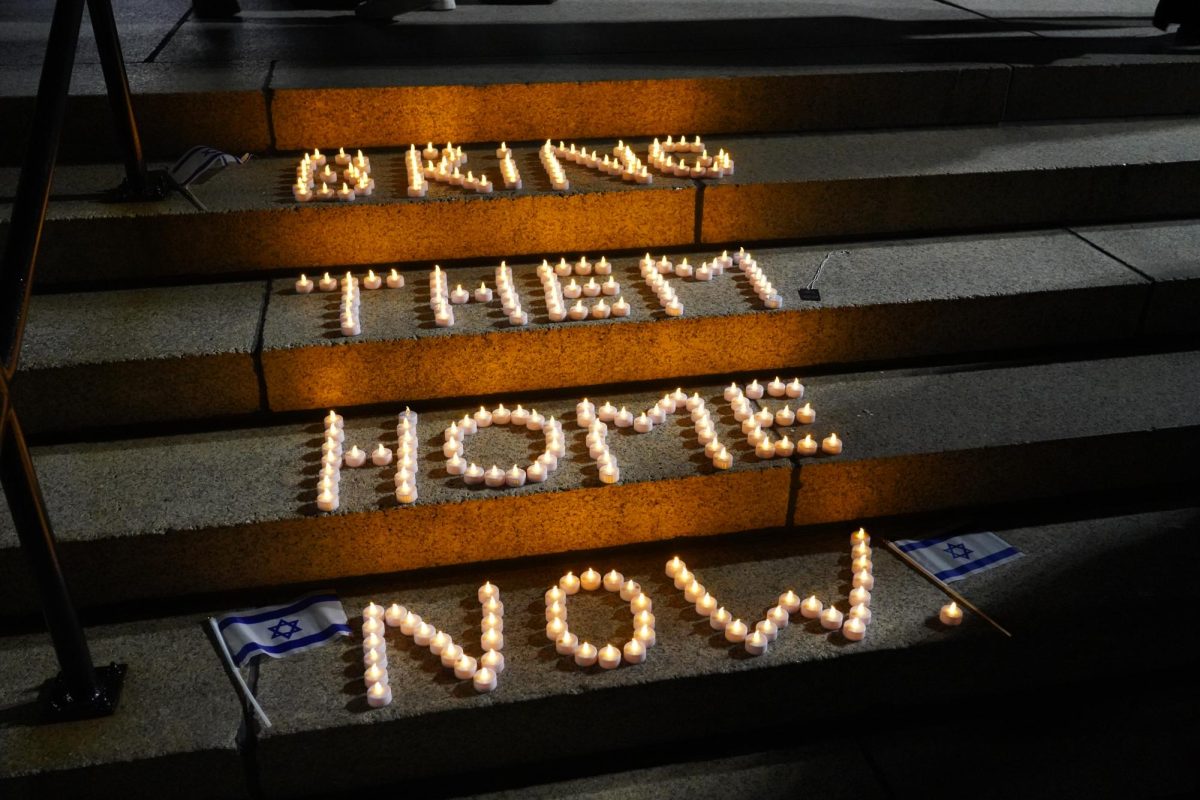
<point>675,501</point>
<point>275,109</point>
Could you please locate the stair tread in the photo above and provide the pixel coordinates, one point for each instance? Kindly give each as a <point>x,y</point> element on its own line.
<point>915,442</point>
<point>1073,561</point>
<point>176,723</point>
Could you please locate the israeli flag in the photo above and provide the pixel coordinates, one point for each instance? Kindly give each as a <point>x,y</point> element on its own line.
<point>280,631</point>
<point>952,558</point>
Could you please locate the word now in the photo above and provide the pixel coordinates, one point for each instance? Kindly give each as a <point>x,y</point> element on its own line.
<point>484,672</point>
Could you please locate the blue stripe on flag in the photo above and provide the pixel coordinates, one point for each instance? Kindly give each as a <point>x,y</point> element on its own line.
<point>277,649</point>
<point>999,555</point>
<point>268,614</point>
<point>921,543</point>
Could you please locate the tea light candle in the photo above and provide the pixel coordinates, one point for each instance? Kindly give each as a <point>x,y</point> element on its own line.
<point>613,580</point>
<point>501,416</point>
<point>785,447</point>
<point>790,601</point>
<point>355,457</point>
<point>585,655</point>
<point>831,444</point>
<point>494,477</point>
<point>951,614</point>
<point>567,584</point>
<point>736,631</point>
<point>806,446</point>
<point>754,391</point>
<point>423,633</point>
<point>864,580</point>
<point>395,280</point>
<point>492,621</point>
<point>629,590</point>
<point>394,615</point>
<point>723,459</point>
<point>646,635</point>
<point>694,591</point>
<point>720,619</point>
<point>806,415</point>
<point>555,628</point>
<point>489,591</point>
<point>768,629</point>
<point>566,643</point>
<point>555,594</point>
<point>590,579</point>
<point>831,619</point>
<point>861,563</point>
<point>683,577</point>
<point>372,281</point>
<point>304,285</point>
<point>515,476</point>
<point>556,610</point>
<point>465,667</point>
<point>634,652</point>
<point>474,475</point>
<point>755,643</point>
<point>410,623</point>
<point>439,642</point>
<point>811,608</point>
<point>609,657</point>
<point>375,656</point>
<point>673,567</point>
<point>345,194</point>
<point>777,388</point>
<point>493,660</point>
<point>450,655</point>
<point>706,605</point>
<point>381,456</point>
<point>854,629</point>
<point>861,611</point>
<point>860,596</point>
<point>375,674</point>
<point>785,416</point>
<point>491,640</point>
<point>372,625</point>
<point>779,616</point>
<point>379,695</point>
<point>860,549</point>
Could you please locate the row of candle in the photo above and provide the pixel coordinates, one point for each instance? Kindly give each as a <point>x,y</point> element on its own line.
<point>454,155</point>
<point>417,185</point>
<point>597,445</point>
<point>406,457</point>
<point>582,267</point>
<point>624,165</point>
<point>439,298</point>
<point>510,300</point>
<point>442,172</point>
<point>317,179</point>
<point>755,422</point>
<point>328,283</point>
<point>330,475</point>
<point>760,284</point>
<point>667,299</point>
<point>483,673</point>
<point>351,301</point>
<point>584,653</point>
<point>508,169</point>
<point>662,158</point>
<point>554,170</point>
<point>537,472</point>
<point>555,293</point>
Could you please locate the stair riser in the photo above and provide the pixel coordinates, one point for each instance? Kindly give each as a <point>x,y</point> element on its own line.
<point>329,547</point>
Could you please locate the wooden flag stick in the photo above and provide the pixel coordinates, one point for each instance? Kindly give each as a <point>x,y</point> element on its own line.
<point>237,674</point>
<point>953,595</point>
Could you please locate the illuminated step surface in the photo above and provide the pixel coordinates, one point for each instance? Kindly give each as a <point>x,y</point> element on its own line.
<point>237,508</point>
<point>191,352</point>
<point>1057,601</point>
<point>785,187</point>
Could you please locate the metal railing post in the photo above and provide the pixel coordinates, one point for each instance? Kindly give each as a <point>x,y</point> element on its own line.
<point>79,690</point>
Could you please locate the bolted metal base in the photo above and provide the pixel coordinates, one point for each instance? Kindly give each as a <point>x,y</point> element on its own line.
<point>59,705</point>
<point>157,186</point>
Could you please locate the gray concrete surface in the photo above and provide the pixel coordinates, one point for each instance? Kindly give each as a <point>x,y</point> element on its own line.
<point>846,184</point>
<point>885,300</point>
<point>925,662</point>
<point>236,508</point>
<point>140,355</point>
<point>176,725</point>
<point>1167,253</point>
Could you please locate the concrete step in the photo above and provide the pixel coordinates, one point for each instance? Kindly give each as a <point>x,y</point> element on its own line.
<point>193,352</point>
<point>786,187</point>
<point>1085,635</point>
<point>237,508</point>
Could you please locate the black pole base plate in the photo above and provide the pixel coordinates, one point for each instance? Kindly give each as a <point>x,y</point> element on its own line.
<point>59,705</point>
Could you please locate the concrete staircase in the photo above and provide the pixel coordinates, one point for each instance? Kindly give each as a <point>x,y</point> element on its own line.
<point>1010,344</point>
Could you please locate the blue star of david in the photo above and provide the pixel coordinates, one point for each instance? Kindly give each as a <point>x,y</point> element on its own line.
<point>959,550</point>
<point>287,628</point>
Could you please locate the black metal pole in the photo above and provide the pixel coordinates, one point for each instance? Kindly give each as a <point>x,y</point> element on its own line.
<point>33,186</point>
<point>139,183</point>
<point>80,690</point>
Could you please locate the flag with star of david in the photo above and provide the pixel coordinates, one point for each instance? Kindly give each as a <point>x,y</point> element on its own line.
<point>279,631</point>
<point>952,558</point>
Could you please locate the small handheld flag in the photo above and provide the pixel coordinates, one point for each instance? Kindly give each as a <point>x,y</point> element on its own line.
<point>278,631</point>
<point>952,558</point>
